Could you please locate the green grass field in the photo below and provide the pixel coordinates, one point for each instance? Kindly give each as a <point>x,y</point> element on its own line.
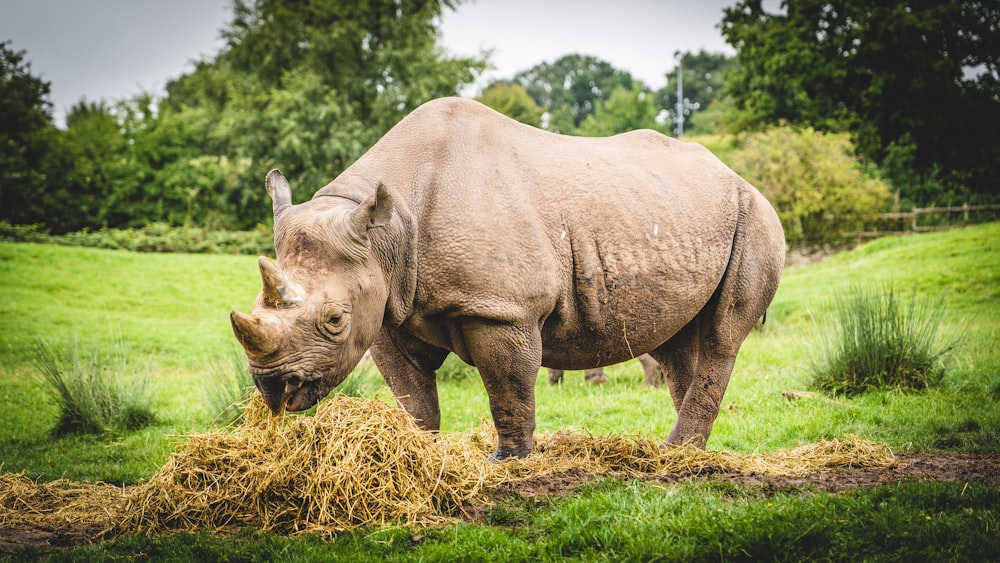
<point>171,311</point>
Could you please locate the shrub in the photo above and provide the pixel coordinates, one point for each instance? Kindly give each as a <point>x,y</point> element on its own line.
<point>154,237</point>
<point>813,180</point>
<point>161,237</point>
<point>879,342</point>
<point>23,233</point>
<point>97,393</point>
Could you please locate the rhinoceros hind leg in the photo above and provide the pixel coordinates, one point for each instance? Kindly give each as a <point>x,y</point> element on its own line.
<point>699,359</point>
<point>555,376</point>
<point>696,367</point>
<point>652,373</point>
<point>595,376</point>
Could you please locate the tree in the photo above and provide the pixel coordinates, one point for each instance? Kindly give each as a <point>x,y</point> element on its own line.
<point>89,161</point>
<point>513,101</point>
<point>306,86</point>
<point>704,79</point>
<point>570,88</point>
<point>624,110</point>
<point>374,53</point>
<point>26,132</point>
<point>916,75</point>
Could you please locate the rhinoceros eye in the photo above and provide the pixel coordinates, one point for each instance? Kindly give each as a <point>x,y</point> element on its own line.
<point>333,321</point>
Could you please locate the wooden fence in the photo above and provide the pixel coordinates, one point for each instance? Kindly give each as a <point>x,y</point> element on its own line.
<point>909,221</point>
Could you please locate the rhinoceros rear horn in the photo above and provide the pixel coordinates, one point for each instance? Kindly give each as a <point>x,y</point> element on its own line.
<point>373,212</point>
<point>278,290</point>
<point>279,190</point>
<point>257,337</point>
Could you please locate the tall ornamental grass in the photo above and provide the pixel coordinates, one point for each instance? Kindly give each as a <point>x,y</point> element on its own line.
<point>230,387</point>
<point>97,392</point>
<point>880,341</point>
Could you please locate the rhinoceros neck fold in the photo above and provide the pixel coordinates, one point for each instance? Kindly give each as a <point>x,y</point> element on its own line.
<point>392,247</point>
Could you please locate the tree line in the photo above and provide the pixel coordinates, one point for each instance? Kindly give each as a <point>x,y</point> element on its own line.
<point>881,97</point>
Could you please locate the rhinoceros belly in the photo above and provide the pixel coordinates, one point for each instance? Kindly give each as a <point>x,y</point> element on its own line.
<point>626,296</point>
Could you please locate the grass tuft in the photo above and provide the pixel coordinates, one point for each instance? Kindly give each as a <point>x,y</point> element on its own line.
<point>231,387</point>
<point>96,393</point>
<point>880,342</point>
<point>364,382</point>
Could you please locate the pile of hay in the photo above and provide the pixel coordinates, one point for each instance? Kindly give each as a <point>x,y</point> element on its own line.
<point>355,462</point>
<point>58,503</point>
<point>359,462</point>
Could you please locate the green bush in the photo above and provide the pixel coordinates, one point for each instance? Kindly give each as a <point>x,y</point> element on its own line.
<point>97,393</point>
<point>154,237</point>
<point>814,181</point>
<point>161,237</point>
<point>23,233</point>
<point>879,342</point>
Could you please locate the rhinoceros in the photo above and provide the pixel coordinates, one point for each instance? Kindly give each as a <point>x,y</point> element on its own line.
<point>462,230</point>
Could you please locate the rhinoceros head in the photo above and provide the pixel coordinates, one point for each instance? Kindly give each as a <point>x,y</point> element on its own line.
<point>321,305</point>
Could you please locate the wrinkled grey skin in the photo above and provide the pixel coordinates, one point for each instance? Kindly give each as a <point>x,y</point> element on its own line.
<point>463,230</point>
<point>652,375</point>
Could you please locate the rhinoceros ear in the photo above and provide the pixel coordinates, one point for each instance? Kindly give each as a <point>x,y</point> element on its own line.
<point>373,212</point>
<point>279,190</point>
<point>257,337</point>
<point>278,290</point>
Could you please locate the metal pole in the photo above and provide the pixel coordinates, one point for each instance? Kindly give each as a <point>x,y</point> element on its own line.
<point>680,95</point>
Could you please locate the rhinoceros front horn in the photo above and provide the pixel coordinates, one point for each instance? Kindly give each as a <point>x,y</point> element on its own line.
<point>279,291</point>
<point>258,338</point>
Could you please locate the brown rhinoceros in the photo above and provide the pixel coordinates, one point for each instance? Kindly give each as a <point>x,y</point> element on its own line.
<point>464,231</point>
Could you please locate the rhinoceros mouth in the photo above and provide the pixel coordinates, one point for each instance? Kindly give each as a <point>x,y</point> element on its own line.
<point>301,400</point>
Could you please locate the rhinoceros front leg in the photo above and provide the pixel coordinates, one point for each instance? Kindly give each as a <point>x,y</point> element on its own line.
<point>508,358</point>
<point>408,366</point>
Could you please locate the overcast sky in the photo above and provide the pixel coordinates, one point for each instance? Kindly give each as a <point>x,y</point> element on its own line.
<point>113,49</point>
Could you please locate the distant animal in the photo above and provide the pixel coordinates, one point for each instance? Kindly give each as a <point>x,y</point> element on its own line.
<point>652,374</point>
<point>464,231</point>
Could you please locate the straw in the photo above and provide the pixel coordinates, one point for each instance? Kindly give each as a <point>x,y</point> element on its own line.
<point>360,462</point>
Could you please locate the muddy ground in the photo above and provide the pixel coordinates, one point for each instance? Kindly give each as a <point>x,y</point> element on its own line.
<point>962,468</point>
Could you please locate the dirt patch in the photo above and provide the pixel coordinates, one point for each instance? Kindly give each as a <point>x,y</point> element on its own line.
<point>961,468</point>
<point>803,256</point>
<point>46,538</point>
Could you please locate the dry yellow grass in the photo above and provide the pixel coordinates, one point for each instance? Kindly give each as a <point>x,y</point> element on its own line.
<point>360,462</point>
<point>58,503</point>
